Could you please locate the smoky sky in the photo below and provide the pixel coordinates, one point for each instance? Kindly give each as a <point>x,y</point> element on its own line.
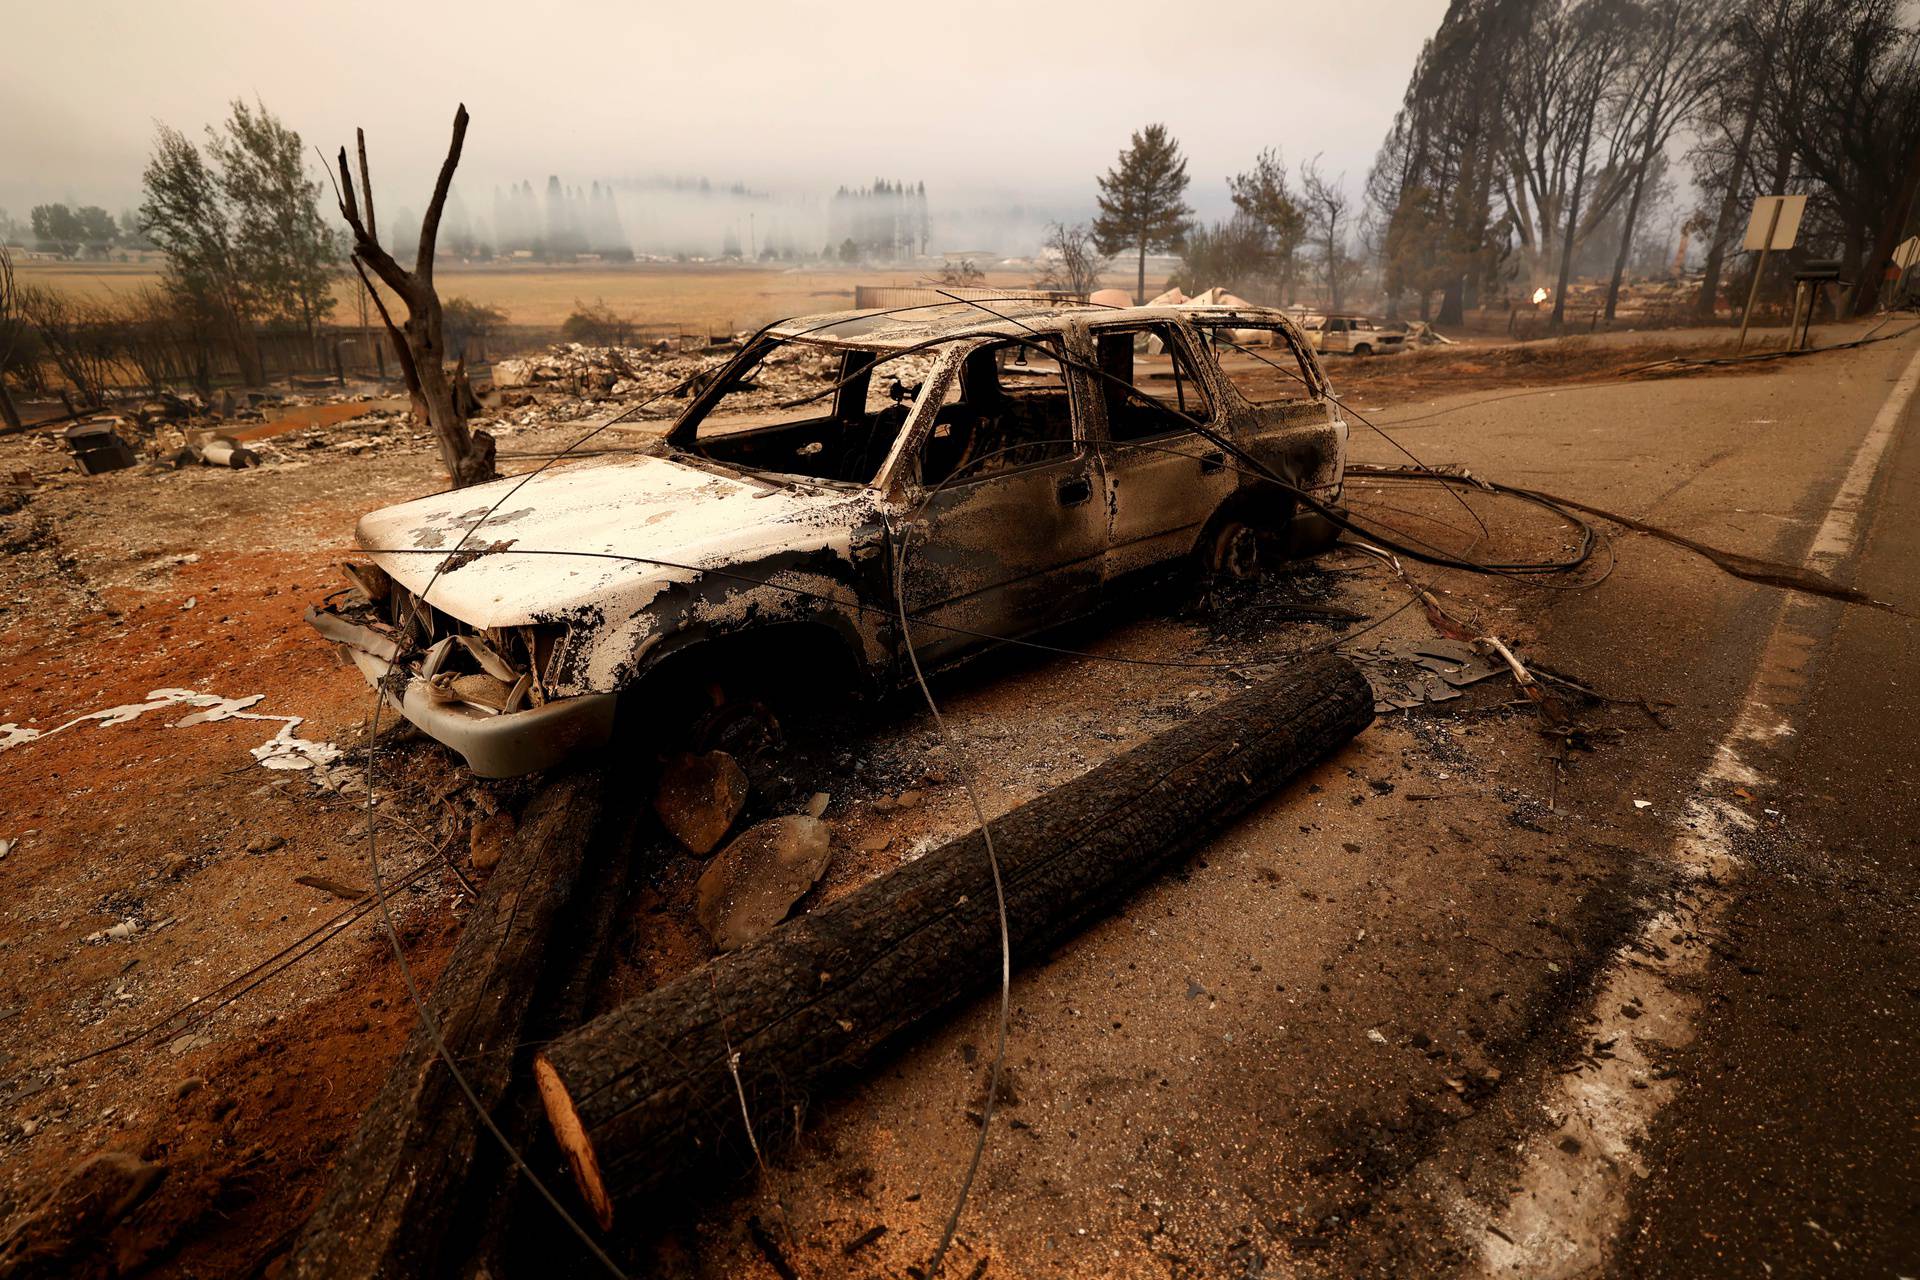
<point>986,102</point>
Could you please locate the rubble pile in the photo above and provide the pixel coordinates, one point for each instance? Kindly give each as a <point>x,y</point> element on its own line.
<point>375,431</point>
<point>591,376</point>
<point>569,381</point>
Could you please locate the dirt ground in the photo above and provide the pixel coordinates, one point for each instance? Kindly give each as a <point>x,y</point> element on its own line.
<point>698,297</point>
<point>724,298</point>
<point>159,999</point>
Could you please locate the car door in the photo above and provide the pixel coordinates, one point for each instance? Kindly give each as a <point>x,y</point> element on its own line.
<point>1334,336</point>
<point>1007,532</point>
<point>1164,479</point>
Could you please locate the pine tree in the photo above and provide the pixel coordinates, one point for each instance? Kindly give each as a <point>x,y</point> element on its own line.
<point>1140,200</point>
<point>1263,195</point>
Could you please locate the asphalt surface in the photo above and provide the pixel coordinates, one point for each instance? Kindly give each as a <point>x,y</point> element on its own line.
<point>1469,998</point>
<point>1796,1148</point>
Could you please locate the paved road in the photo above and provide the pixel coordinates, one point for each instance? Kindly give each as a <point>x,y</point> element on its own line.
<point>1779,1136</point>
<point>1446,1006</point>
<point>1796,1151</point>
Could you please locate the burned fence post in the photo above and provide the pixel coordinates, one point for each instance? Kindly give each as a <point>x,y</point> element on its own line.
<point>643,1097</point>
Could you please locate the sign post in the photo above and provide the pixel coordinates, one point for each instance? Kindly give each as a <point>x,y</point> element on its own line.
<point>1774,224</point>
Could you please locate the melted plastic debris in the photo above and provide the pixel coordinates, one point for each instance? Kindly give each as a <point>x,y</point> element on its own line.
<point>282,751</point>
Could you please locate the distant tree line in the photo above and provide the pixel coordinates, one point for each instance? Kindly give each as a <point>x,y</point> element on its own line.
<point>886,221</point>
<point>567,223</point>
<point>87,231</point>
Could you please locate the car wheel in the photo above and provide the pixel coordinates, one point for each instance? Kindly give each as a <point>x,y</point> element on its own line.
<point>742,726</point>
<point>1235,551</point>
<point>1363,350</point>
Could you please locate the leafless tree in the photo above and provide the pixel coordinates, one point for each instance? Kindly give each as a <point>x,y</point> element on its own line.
<point>1742,67</point>
<point>11,325</point>
<point>1850,118</point>
<point>1326,205</point>
<point>1562,96</point>
<point>1672,69</point>
<point>419,344</point>
<point>1595,27</point>
<point>1820,97</point>
<point>1075,263</point>
<point>85,340</point>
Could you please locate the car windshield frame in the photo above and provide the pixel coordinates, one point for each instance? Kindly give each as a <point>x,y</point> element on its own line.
<point>849,383</point>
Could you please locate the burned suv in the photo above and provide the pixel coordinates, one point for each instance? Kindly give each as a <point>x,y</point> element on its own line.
<point>987,470</point>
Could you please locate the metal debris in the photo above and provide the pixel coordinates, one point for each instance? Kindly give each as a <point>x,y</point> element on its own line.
<point>1411,673</point>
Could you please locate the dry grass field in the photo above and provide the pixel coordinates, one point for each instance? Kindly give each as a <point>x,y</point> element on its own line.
<point>698,296</point>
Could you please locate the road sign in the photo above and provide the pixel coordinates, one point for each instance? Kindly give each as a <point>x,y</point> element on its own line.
<point>1775,222</point>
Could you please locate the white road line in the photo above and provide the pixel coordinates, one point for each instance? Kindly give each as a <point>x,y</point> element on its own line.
<point>1570,1197</point>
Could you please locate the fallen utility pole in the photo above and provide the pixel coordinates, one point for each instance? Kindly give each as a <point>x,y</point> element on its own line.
<point>386,1210</point>
<point>648,1094</point>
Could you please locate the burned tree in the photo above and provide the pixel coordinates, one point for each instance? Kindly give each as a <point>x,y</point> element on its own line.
<point>12,322</point>
<point>420,343</point>
<point>1074,262</point>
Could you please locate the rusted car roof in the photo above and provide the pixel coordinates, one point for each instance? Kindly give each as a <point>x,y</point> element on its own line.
<point>890,329</point>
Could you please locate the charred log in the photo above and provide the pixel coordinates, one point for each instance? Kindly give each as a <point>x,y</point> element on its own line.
<point>644,1096</point>
<point>386,1210</point>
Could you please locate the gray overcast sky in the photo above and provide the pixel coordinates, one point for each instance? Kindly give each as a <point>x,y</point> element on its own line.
<point>1026,99</point>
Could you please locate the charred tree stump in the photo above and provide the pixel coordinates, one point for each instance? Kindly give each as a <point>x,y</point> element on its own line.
<point>387,1210</point>
<point>643,1097</point>
<point>419,343</point>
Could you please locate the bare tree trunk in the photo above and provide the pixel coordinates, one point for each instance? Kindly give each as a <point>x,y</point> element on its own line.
<point>419,344</point>
<point>1573,212</point>
<point>9,414</point>
<point>1333,265</point>
<point>1730,202</point>
<point>1866,291</point>
<point>386,1208</point>
<point>1626,233</point>
<point>1140,284</point>
<point>246,346</point>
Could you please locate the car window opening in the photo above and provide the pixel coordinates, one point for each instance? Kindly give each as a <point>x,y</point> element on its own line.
<point>1149,385</point>
<point>1261,362</point>
<point>810,410</point>
<point>1008,408</point>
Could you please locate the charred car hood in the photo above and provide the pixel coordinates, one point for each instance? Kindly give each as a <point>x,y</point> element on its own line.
<point>650,508</point>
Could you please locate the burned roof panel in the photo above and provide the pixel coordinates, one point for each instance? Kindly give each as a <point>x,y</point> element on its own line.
<point>892,329</point>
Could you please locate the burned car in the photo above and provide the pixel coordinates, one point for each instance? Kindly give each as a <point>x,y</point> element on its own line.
<point>978,472</point>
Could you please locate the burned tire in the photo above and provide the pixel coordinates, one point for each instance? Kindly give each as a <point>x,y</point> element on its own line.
<point>742,725</point>
<point>1364,349</point>
<point>1236,552</point>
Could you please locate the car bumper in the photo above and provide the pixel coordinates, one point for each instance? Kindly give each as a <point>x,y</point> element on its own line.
<point>494,744</point>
